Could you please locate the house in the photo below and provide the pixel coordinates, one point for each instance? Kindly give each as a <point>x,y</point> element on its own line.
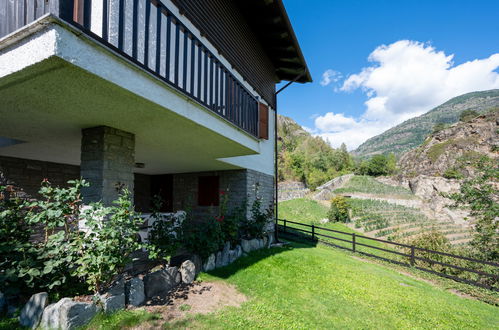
<point>168,97</point>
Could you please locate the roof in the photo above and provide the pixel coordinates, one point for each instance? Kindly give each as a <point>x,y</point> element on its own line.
<point>270,22</point>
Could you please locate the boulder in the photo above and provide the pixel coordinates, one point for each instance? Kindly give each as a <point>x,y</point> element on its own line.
<point>254,244</point>
<point>177,261</point>
<point>117,288</point>
<point>218,262</point>
<point>188,271</point>
<point>161,281</point>
<point>210,263</point>
<point>67,314</point>
<point>33,310</point>
<point>232,256</point>
<point>135,295</point>
<point>246,245</point>
<point>112,304</point>
<point>239,252</point>
<point>225,254</point>
<point>2,302</point>
<point>51,315</point>
<point>76,314</point>
<point>265,240</point>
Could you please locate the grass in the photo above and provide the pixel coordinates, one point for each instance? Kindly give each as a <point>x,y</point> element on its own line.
<point>301,287</point>
<point>121,319</point>
<point>369,185</point>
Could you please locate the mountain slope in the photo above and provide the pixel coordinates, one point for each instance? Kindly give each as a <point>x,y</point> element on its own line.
<point>413,132</point>
<point>451,151</point>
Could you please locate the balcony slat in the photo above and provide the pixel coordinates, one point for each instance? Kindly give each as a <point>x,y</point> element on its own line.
<point>121,25</point>
<point>193,63</point>
<point>168,45</point>
<point>135,28</point>
<point>105,22</point>
<point>177,51</point>
<point>184,66</point>
<point>147,18</point>
<point>158,39</point>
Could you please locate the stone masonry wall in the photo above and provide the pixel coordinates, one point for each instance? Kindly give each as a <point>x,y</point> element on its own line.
<point>26,175</point>
<point>239,184</point>
<point>107,161</point>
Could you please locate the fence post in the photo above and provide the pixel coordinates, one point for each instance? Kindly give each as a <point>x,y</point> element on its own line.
<point>353,242</point>
<point>412,255</point>
<point>313,231</point>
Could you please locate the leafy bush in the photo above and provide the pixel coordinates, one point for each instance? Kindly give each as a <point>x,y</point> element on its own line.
<point>431,240</point>
<point>452,173</point>
<point>17,255</point>
<point>467,115</point>
<point>254,226</point>
<point>165,237</point>
<point>105,248</point>
<point>203,238</point>
<point>338,211</point>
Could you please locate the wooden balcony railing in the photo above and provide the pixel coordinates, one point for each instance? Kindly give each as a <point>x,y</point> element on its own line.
<point>148,34</point>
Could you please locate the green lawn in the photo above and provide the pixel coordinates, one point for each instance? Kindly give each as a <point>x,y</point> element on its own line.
<point>318,288</point>
<point>369,185</point>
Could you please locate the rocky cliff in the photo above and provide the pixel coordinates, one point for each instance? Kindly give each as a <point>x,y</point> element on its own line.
<point>452,151</point>
<point>413,132</point>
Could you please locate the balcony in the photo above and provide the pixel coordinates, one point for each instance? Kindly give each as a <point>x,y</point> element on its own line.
<point>148,34</point>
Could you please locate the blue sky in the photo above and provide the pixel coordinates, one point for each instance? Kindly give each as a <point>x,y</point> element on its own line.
<point>340,36</point>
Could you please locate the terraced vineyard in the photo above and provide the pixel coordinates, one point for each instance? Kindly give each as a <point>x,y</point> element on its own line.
<point>386,219</point>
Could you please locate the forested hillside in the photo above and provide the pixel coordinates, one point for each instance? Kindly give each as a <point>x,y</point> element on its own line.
<point>308,159</point>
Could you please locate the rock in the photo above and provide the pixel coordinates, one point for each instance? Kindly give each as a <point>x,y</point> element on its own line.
<point>135,295</point>
<point>33,310</point>
<point>112,304</point>
<point>218,262</point>
<point>264,241</point>
<point>210,263</point>
<point>2,302</point>
<point>117,288</point>
<point>232,256</point>
<point>161,281</point>
<point>225,254</point>
<point>254,244</point>
<point>177,261</point>
<point>188,271</point>
<point>324,220</point>
<point>51,315</point>
<point>246,245</point>
<point>67,314</point>
<point>239,252</point>
<point>76,314</point>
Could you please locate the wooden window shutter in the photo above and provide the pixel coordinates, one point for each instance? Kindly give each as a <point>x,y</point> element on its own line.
<point>263,129</point>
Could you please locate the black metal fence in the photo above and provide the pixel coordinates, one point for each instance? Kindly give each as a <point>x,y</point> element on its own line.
<point>148,34</point>
<point>468,270</point>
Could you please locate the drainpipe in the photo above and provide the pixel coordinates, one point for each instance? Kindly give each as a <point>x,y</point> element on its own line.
<point>276,153</point>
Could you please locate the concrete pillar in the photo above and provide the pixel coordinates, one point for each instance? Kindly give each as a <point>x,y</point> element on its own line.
<point>107,162</point>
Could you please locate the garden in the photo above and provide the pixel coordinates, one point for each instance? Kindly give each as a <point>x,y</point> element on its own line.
<point>56,247</point>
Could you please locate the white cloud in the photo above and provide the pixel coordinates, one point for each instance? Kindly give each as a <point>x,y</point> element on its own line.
<point>330,76</point>
<point>406,79</point>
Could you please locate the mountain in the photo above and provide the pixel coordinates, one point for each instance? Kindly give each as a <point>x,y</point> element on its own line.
<point>305,158</point>
<point>414,131</point>
<point>453,151</point>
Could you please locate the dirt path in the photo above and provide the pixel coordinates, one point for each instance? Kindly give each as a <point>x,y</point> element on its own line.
<point>190,299</point>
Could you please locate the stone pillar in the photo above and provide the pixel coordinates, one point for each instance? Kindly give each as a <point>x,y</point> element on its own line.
<point>107,162</point>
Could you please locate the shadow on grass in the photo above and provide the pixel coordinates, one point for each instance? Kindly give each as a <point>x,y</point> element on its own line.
<point>298,242</point>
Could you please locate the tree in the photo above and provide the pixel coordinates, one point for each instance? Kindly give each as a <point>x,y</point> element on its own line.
<point>480,195</point>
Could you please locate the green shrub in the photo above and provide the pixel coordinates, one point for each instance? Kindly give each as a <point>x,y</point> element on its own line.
<point>165,236</point>
<point>105,248</point>
<point>338,211</point>
<point>203,237</point>
<point>467,115</point>
<point>452,173</point>
<point>439,127</point>
<point>431,240</point>
<point>254,226</point>
<point>230,222</point>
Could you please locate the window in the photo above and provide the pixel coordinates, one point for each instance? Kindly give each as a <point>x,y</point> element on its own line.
<point>208,187</point>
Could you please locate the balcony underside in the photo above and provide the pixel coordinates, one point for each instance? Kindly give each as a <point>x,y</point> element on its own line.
<point>46,105</point>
